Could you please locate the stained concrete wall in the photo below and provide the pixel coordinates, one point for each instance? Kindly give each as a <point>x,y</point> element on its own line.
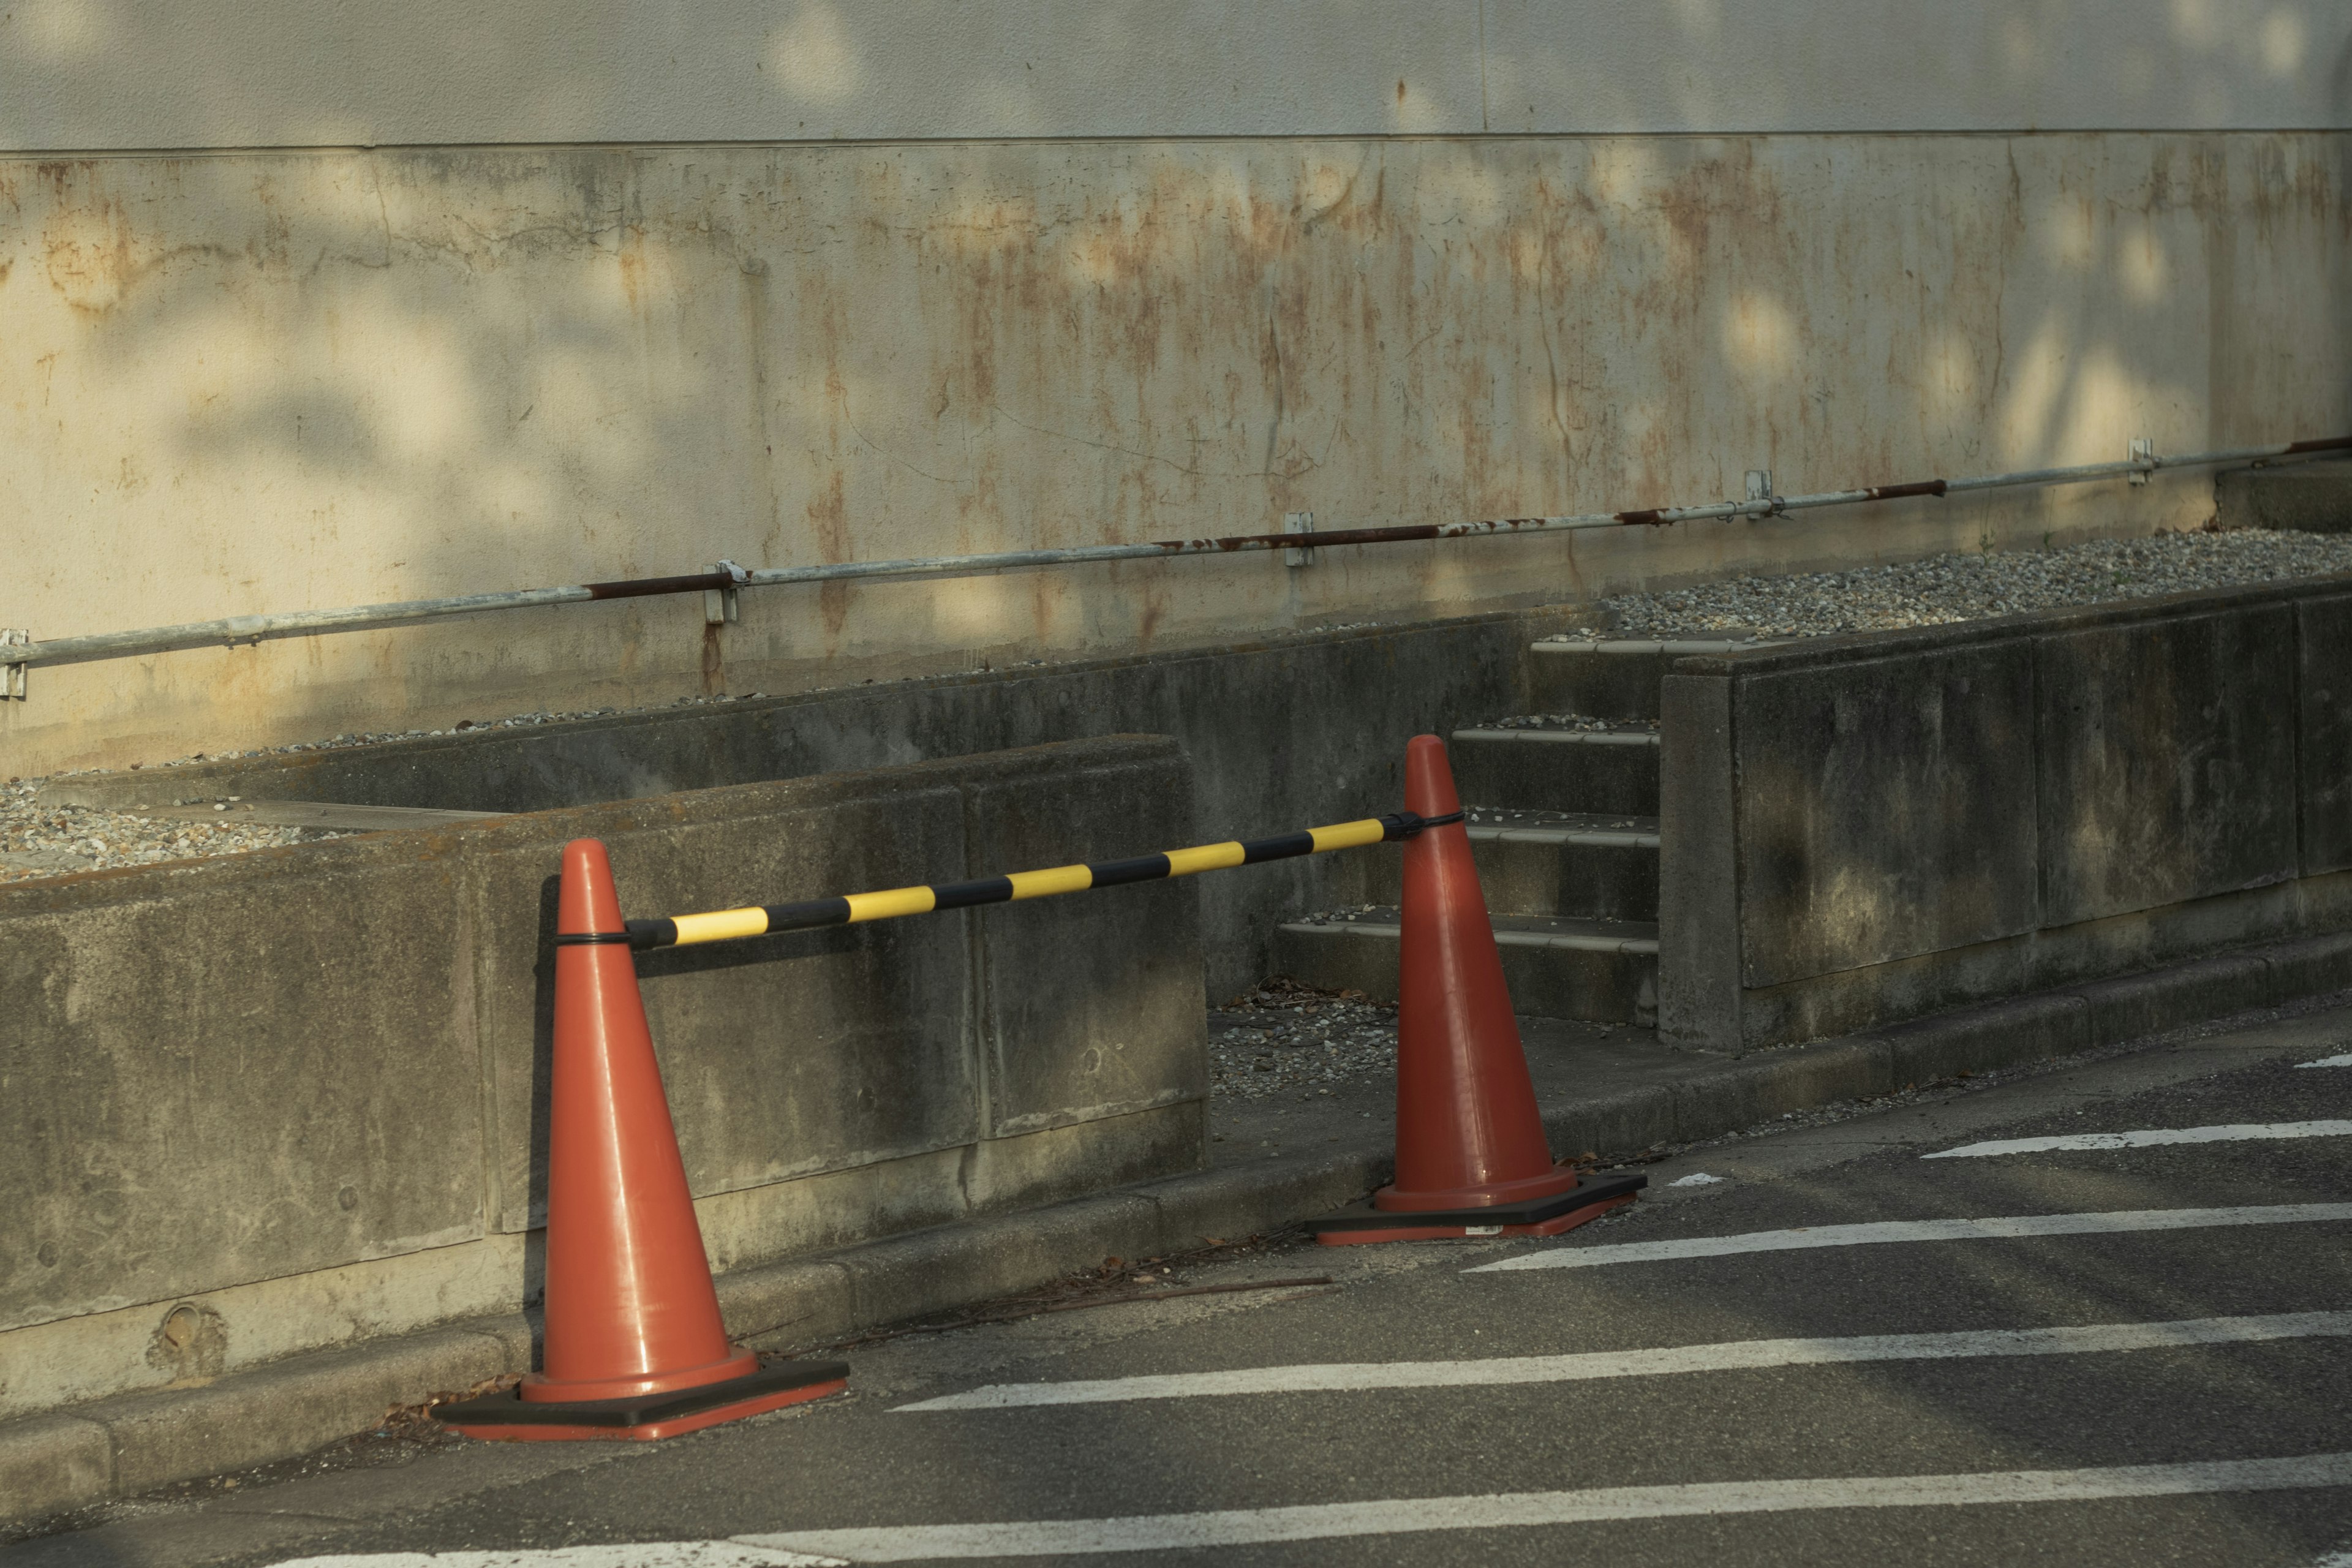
<point>1864,829</point>
<point>320,305</point>
<point>264,381</point>
<point>298,1097</point>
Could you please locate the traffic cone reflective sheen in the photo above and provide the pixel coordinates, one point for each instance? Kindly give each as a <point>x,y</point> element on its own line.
<point>1471,1156</point>
<point>635,1346</point>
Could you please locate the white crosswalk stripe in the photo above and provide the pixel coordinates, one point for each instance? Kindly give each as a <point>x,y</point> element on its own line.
<point>1734,1355</point>
<point>2342,1061</point>
<point>2005,1228</point>
<point>632,1554</point>
<point>2148,1138</point>
<point>1319,1522</point>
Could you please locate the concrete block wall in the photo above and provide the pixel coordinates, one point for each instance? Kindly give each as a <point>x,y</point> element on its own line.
<point>1862,829</point>
<point>259,1106</point>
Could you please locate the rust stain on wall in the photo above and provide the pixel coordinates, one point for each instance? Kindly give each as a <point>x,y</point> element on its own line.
<point>409,372</point>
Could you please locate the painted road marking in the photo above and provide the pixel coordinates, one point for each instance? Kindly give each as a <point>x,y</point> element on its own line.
<point>633,1554</point>
<point>1734,1355</point>
<point>1398,1516</point>
<point>2000,1228</point>
<point>2149,1138</point>
<point>2342,1061</point>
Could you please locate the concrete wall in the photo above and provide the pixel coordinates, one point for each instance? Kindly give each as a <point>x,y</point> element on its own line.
<point>298,1097</point>
<point>1286,733</point>
<point>313,306</point>
<point>1865,828</point>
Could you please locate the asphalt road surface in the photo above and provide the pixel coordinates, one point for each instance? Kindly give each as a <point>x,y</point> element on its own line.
<point>1890,1339</point>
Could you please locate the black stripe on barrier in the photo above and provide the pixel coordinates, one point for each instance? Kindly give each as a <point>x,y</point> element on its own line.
<point>806,915</point>
<point>643,934</point>
<point>1119,873</point>
<point>963,894</point>
<point>1281,847</point>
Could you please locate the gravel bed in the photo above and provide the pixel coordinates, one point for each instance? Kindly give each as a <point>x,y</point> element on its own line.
<point>1284,1038</point>
<point>1583,722</point>
<point>38,841</point>
<point>1948,588</point>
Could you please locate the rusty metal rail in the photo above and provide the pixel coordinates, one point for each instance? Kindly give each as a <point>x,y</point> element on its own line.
<point>19,655</point>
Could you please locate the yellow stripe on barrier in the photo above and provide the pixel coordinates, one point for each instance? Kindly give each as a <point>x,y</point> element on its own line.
<point>1205,857</point>
<point>889,905</point>
<point>721,925</point>
<point>1348,835</point>
<point>1056,879</point>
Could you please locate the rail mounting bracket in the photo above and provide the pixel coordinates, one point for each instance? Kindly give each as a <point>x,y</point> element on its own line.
<point>1299,554</point>
<point>724,606</point>
<point>12,673</point>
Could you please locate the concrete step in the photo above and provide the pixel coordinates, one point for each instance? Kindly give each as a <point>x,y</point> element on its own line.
<point>1556,966</point>
<point>1608,770</point>
<point>1551,863</point>
<point>1613,678</point>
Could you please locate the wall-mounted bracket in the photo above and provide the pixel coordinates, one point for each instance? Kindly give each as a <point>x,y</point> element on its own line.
<point>723,606</point>
<point>11,676</point>
<point>1761,501</point>
<point>1298,523</point>
<point>2142,452</point>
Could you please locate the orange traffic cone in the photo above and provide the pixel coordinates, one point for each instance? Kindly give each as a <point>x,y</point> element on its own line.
<point>1471,1154</point>
<point>635,1346</point>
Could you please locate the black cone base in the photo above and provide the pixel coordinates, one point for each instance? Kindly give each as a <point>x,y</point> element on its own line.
<point>647,1417</point>
<point>1361,1221</point>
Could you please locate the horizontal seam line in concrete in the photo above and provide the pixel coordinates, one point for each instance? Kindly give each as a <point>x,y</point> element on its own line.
<point>847,143</point>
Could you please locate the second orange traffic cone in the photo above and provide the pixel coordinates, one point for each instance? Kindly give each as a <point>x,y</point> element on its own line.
<point>635,1346</point>
<point>1471,1158</point>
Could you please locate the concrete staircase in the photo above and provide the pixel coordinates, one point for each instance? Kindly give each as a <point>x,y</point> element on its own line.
<point>1563,821</point>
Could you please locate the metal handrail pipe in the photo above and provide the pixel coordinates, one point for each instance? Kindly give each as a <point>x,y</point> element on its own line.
<point>234,630</point>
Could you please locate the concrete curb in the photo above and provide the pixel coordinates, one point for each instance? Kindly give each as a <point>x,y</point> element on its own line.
<point>125,1446</point>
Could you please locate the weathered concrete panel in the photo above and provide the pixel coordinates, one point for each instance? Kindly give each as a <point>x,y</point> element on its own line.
<point>1115,1023</point>
<point>2310,497</point>
<point>2166,760</point>
<point>792,1054</point>
<point>306,1087</point>
<point>264,73</point>
<point>1698,868</point>
<point>2323,645</point>
<point>1885,809</point>
<point>205,1080</point>
<point>2134,801</point>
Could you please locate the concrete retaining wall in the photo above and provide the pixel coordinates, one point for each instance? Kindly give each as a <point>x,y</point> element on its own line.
<point>1286,733</point>
<point>1867,828</point>
<point>257,1106</point>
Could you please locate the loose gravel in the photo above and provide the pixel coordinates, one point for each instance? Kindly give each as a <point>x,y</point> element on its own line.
<point>38,841</point>
<point>1948,588</point>
<point>1284,1038</point>
<point>1584,723</point>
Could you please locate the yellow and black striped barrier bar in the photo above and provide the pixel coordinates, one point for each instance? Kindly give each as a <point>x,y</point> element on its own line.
<point>730,925</point>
